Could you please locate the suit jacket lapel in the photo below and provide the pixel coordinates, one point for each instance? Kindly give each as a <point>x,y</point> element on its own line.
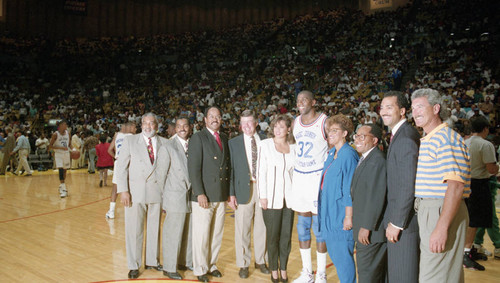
<point>213,143</point>
<point>143,148</point>
<point>396,136</point>
<point>181,154</point>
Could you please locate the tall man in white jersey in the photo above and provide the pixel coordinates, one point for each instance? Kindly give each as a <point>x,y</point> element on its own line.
<point>127,129</point>
<point>309,133</point>
<point>60,144</point>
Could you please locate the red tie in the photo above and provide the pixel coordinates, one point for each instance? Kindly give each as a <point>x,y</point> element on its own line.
<point>150,151</point>
<point>217,138</point>
<point>392,136</point>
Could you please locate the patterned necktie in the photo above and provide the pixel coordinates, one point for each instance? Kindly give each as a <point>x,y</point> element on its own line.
<point>186,150</point>
<point>150,151</point>
<point>254,157</point>
<point>360,160</point>
<point>217,138</point>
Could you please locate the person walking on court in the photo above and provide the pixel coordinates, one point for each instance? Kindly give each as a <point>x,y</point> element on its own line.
<point>59,142</point>
<point>24,149</point>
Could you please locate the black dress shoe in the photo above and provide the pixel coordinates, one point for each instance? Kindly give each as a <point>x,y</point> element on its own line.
<point>243,272</point>
<point>263,268</point>
<point>216,273</point>
<point>275,280</point>
<point>173,275</point>
<point>184,267</point>
<point>158,267</point>
<point>203,278</point>
<point>133,274</point>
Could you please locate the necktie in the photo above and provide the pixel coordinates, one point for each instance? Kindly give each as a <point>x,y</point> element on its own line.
<point>186,150</point>
<point>150,151</point>
<point>254,157</point>
<point>217,138</point>
<point>392,136</point>
<point>360,160</point>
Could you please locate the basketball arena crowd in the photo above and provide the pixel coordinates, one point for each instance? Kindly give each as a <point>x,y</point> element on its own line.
<point>412,93</point>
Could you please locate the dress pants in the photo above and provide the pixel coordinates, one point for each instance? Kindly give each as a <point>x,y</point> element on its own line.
<point>372,262</point>
<point>444,267</point>
<point>494,231</point>
<point>177,241</point>
<point>92,157</point>
<point>279,227</point>
<point>403,257</point>
<point>23,161</point>
<point>208,228</point>
<point>243,217</point>
<point>134,233</point>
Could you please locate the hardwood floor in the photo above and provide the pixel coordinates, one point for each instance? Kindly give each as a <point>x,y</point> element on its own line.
<point>47,239</point>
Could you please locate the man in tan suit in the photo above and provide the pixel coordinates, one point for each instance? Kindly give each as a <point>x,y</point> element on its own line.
<point>176,236</point>
<point>141,173</point>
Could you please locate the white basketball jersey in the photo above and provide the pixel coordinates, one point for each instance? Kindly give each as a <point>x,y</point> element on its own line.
<point>62,141</point>
<point>311,144</point>
<point>119,142</point>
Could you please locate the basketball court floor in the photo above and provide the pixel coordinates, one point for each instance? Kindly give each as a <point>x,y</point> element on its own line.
<point>44,238</point>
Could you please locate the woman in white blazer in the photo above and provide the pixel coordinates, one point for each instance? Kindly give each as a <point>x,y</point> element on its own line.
<point>274,181</point>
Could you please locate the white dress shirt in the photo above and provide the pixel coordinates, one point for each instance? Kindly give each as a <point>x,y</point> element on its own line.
<point>153,142</point>
<point>248,150</point>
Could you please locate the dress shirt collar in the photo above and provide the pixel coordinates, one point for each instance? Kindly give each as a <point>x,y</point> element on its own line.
<point>212,132</point>
<point>183,142</point>
<point>368,152</point>
<point>398,125</point>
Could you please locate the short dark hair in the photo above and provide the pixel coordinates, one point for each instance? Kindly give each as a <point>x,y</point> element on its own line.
<point>478,124</point>
<point>102,138</point>
<point>375,130</point>
<point>401,99</point>
<point>208,108</point>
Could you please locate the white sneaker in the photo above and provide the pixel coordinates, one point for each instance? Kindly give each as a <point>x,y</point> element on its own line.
<point>305,277</point>
<point>481,250</point>
<point>110,214</point>
<point>63,192</point>
<point>320,277</point>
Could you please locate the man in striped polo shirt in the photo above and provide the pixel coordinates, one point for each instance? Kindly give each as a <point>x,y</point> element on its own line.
<point>442,183</point>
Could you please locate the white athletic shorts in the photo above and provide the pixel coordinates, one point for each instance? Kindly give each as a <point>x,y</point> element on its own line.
<point>62,159</point>
<point>305,188</point>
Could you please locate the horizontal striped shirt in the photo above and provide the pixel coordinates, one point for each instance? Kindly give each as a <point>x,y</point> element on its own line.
<point>442,156</point>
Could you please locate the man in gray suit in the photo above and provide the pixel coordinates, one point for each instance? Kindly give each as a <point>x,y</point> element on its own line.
<point>141,172</point>
<point>209,172</point>
<point>176,237</point>
<point>244,199</point>
<point>368,191</point>
<point>400,218</point>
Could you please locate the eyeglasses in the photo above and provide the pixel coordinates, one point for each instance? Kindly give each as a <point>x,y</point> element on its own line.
<point>361,137</point>
<point>334,130</point>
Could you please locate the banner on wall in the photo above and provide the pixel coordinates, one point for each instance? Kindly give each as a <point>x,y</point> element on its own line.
<point>378,4</point>
<point>76,7</point>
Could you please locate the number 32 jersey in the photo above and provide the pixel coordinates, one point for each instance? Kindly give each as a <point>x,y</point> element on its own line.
<point>311,144</point>
<point>310,152</point>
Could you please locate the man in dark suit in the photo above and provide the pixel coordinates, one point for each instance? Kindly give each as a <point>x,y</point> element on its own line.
<point>368,191</point>
<point>400,218</point>
<point>176,237</point>
<point>209,169</point>
<point>244,198</point>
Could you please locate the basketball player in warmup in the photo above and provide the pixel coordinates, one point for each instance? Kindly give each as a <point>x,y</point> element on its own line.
<point>60,144</point>
<point>127,128</point>
<point>309,133</point>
